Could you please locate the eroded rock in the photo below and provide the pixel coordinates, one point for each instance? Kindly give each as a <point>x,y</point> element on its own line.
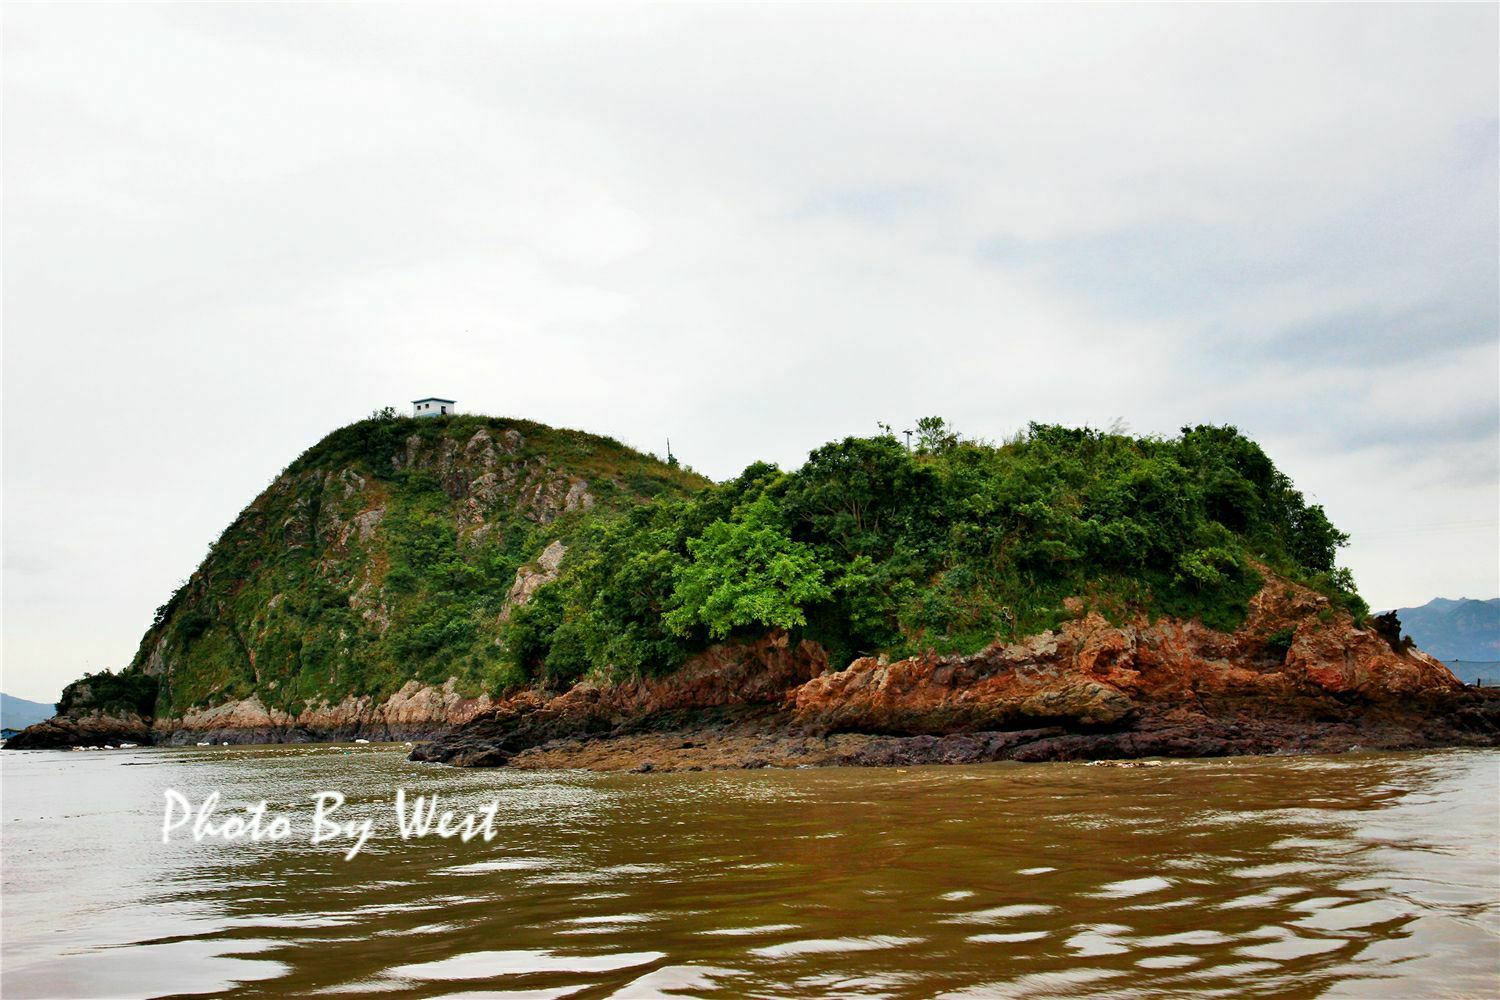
<point>1089,689</point>
<point>531,578</point>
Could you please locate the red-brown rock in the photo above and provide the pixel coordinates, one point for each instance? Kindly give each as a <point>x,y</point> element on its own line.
<point>1297,675</point>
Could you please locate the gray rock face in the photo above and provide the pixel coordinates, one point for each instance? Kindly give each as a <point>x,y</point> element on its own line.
<point>529,579</point>
<point>579,497</point>
<point>548,495</point>
<point>1089,703</point>
<point>156,664</point>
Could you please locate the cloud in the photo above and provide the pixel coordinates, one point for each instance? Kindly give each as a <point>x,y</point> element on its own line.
<point>232,228</point>
<point>1368,338</point>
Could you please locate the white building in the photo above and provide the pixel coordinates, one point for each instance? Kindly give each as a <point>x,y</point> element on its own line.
<point>432,407</point>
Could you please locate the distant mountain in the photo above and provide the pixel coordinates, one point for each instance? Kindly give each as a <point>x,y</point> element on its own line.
<point>18,713</point>
<point>1484,672</point>
<point>1455,630</point>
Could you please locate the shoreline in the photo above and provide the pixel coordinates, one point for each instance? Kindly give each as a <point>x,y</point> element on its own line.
<point>742,745</point>
<point>749,736</point>
<point>725,744</point>
<point>1297,676</point>
<point>691,750</point>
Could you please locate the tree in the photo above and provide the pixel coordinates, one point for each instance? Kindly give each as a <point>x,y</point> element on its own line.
<point>852,494</point>
<point>746,571</point>
<point>934,436</point>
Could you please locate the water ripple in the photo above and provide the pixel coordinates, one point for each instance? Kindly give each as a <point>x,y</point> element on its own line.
<point>1355,876</point>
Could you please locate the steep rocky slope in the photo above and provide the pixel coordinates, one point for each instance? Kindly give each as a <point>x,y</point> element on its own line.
<point>362,592</point>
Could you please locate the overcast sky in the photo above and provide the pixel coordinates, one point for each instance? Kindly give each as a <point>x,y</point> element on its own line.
<point>230,229</point>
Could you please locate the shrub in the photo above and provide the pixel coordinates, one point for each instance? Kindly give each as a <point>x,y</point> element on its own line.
<point>1279,643</point>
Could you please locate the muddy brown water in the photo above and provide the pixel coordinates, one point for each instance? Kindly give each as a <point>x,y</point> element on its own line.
<point>1360,875</point>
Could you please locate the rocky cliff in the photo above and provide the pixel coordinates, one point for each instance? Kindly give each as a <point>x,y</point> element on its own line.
<point>1297,676</point>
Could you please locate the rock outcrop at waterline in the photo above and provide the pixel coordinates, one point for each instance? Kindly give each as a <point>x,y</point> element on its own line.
<point>1298,676</point>
<point>83,730</point>
<point>416,711</point>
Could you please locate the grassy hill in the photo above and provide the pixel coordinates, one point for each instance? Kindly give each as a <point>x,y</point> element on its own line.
<point>383,554</point>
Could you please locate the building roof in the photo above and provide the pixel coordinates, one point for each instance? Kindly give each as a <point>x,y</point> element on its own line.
<point>433,399</point>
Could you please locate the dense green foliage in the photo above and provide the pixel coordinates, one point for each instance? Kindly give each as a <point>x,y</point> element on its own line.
<point>385,554</point>
<point>870,548</point>
<point>746,572</point>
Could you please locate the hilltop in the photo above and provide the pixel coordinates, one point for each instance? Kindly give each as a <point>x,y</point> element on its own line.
<point>381,561</point>
<point>405,576</point>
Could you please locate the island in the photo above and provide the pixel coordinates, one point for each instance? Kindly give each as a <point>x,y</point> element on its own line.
<point>512,594</point>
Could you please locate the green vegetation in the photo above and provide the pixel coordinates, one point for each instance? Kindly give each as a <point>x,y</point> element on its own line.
<point>871,548</point>
<point>746,572</point>
<point>385,553</point>
<point>1279,643</point>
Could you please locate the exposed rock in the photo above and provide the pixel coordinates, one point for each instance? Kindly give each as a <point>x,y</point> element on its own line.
<point>418,704</point>
<point>91,729</point>
<point>352,482</point>
<point>413,449</point>
<point>367,521</point>
<point>336,568</point>
<point>1090,689</point>
<point>578,496</point>
<point>416,711</point>
<point>155,664</point>
<point>1004,686</point>
<point>296,529</point>
<point>728,684</point>
<point>529,579</point>
<point>480,450</point>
